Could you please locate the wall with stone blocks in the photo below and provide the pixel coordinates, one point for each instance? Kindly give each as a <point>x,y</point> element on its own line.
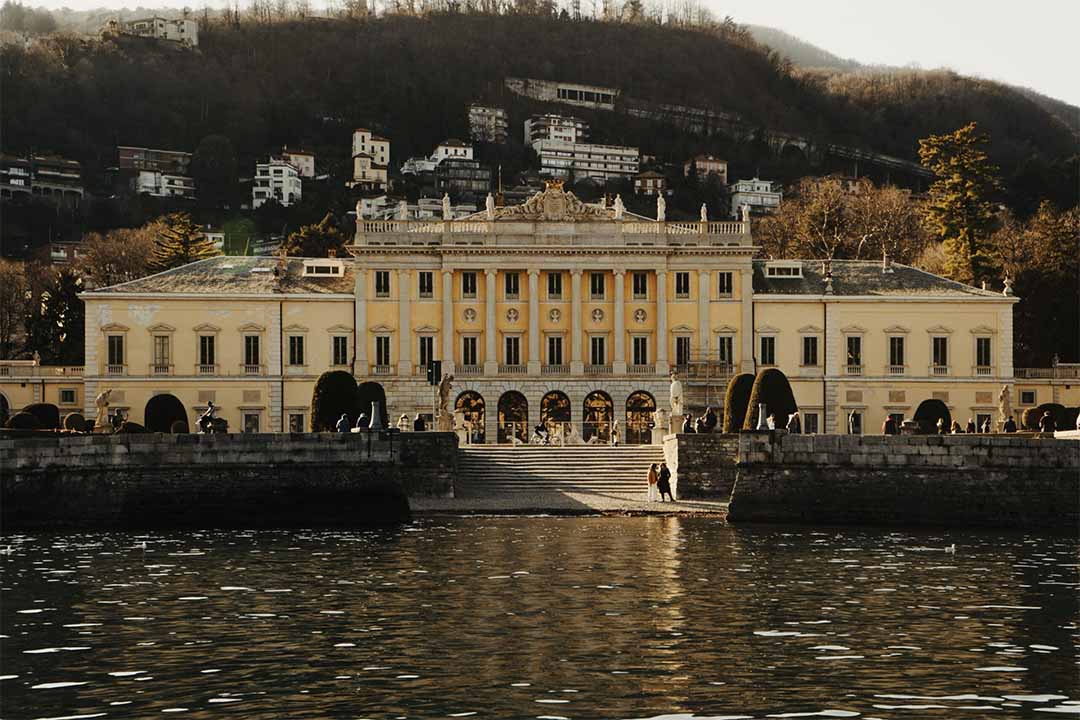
<point>702,465</point>
<point>951,480</point>
<point>239,480</point>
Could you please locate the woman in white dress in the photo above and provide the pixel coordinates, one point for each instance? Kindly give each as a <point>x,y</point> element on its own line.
<point>653,476</point>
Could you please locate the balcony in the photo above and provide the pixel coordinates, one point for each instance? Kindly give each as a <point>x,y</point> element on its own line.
<point>555,370</point>
<point>514,369</point>
<point>938,370</point>
<point>252,369</point>
<point>597,369</point>
<point>983,371</point>
<point>649,369</point>
<point>161,369</point>
<point>115,369</point>
<point>382,369</point>
<point>1058,372</point>
<point>206,369</point>
<point>853,370</point>
<point>28,368</point>
<point>469,370</point>
<point>894,370</point>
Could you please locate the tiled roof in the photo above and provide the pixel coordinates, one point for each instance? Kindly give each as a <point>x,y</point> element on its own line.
<point>230,275</point>
<point>864,277</point>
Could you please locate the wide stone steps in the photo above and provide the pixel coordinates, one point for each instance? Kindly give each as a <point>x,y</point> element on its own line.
<point>489,470</point>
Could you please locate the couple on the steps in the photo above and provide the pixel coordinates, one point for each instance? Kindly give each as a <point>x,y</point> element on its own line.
<point>659,482</point>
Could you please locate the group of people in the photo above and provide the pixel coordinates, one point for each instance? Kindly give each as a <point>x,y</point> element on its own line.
<point>363,421</point>
<point>704,424</point>
<point>659,482</point>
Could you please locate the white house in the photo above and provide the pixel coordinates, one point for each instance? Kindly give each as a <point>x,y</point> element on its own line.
<point>302,160</point>
<point>278,180</point>
<point>181,30</point>
<point>760,195</point>
<point>559,158</point>
<point>555,127</point>
<point>371,156</point>
<point>487,124</point>
<point>452,149</point>
<point>161,184</point>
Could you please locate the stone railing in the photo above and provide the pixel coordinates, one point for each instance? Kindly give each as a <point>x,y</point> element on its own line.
<point>1058,372</point>
<point>29,368</point>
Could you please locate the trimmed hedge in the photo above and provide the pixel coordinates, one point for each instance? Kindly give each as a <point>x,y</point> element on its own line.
<point>928,413</point>
<point>771,388</point>
<point>1059,412</point>
<point>22,421</point>
<point>179,427</point>
<point>131,428</point>
<point>334,394</point>
<point>736,400</point>
<point>75,421</point>
<point>47,414</point>
<point>162,411</point>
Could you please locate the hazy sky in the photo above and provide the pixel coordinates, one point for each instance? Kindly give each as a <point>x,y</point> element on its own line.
<point>1032,43</point>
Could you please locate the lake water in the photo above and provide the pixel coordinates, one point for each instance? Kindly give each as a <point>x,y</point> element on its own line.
<point>540,618</point>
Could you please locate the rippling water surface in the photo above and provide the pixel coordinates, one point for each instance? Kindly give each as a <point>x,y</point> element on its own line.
<point>540,617</point>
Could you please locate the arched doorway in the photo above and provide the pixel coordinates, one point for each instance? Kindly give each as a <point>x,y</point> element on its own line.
<point>596,419</point>
<point>513,417</point>
<point>555,413</point>
<point>640,407</point>
<point>471,405</point>
<point>162,411</point>
<point>367,393</point>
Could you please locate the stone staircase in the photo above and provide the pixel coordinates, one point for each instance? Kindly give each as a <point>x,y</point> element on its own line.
<point>485,470</point>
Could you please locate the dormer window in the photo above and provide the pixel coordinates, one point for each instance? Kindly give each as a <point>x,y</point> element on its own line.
<point>783,269</point>
<point>322,268</point>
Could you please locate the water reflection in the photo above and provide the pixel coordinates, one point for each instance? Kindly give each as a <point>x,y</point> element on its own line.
<point>540,617</point>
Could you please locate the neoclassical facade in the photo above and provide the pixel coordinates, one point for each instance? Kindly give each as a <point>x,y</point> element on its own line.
<point>551,311</point>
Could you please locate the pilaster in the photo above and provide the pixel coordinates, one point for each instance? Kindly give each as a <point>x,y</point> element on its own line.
<point>404,364</point>
<point>618,365</point>
<point>661,323</point>
<point>534,322</point>
<point>704,293</point>
<point>448,321</point>
<point>491,358</point>
<point>577,367</point>
<point>746,324</point>
<point>360,367</point>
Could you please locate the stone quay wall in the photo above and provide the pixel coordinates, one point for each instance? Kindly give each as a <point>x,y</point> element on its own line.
<point>702,465</point>
<point>235,480</point>
<point>931,480</point>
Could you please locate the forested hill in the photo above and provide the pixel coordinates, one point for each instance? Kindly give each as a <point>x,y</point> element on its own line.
<point>311,81</point>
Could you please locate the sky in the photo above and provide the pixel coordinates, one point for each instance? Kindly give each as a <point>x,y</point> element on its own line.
<point>1031,43</point>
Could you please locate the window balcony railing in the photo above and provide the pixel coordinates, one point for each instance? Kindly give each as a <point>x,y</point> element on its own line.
<point>983,370</point>
<point>939,370</point>
<point>895,370</point>
<point>597,369</point>
<point>382,369</point>
<point>853,370</point>
<point>558,369</point>
<point>469,370</point>
<point>206,369</point>
<point>511,369</point>
<point>643,369</point>
<point>160,369</point>
<point>115,369</point>
<point>252,369</point>
<point>1070,371</point>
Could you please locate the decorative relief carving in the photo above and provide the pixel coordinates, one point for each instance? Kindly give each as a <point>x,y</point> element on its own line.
<point>640,315</point>
<point>555,315</point>
<point>598,315</point>
<point>512,315</point>
<point>470,315</point>
<point>554,204</point>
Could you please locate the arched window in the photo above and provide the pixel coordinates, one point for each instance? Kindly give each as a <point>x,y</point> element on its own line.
<point>513,417</point>
<point>640,407</point>
<point>596,418</point>
<point>471,405</point>
<point>555,413</point>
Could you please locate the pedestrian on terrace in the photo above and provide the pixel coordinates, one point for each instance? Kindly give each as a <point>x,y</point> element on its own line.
<point>418,424</point>
<point>1046,423</point>
<point>971,427</point>
<point>987,427</point>
<point>1010,425</point>
<point>794,424</point>
<point>343,423</point>
<point>688,423</point>
<point>889,426</point>
<point>653,477</point>
<point>663,482</point>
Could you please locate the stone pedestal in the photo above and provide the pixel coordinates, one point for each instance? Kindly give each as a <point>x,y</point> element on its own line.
<point>658,435</point>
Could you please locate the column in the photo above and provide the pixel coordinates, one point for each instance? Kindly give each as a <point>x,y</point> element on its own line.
<point>448,321</point>
<point>360,360</point>
<point>661,323</point>
<point>404,364</point>
<point>534,322</point>
<point>618,366</point>
<point>577,367</point>
<point>746,324</point>
<point>491,358</point>
<point>704,294</point>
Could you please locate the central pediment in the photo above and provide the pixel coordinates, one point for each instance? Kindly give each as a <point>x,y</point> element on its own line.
<point>554,204</point>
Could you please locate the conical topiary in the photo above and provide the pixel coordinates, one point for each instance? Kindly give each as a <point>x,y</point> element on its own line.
<point>736,400</point>
<point>772,388</point>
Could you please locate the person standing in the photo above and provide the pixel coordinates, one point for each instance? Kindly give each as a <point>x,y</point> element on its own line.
<point>418,424</point>
<point>1009,425</point>
<point>889,426</point>
<point>653,477</point>
<point>987,427</point>
<point>971,427</point>
<point>1046,423</point>
<point>663,482</point>
<point>688,423</point>
<point>794,424</point>
<point>343,423</point>
<point>710,419</point>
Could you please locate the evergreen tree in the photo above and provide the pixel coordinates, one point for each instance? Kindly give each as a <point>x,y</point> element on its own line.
<point>179,242</point>
<point>55,323</point>
<point>314,240</point>
<point>960,212</point>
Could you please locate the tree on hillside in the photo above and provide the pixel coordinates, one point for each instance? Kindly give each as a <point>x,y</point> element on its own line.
<point>16,17</point>
<point>960,212</point>
<point>314,240</point>
<point>119,255</point>
<point>213,167</point>
<point>13,305</point>
<point>179,242</point>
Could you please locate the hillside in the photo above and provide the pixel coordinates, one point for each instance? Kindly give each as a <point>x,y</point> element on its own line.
<point>311,81</point>
<point>799,51</point>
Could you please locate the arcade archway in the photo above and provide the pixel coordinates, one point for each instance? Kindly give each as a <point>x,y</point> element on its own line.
<point>471,406</point>
<point>555,413</point>
<point>162,411</point>
<point>513,418</point>
<point>598,412</point>
<point>640,407</point>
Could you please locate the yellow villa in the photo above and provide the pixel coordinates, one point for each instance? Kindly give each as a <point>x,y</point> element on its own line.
<point>552,311</point>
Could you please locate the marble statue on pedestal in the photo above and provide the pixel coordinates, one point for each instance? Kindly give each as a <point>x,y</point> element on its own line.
<point>1004,406</point>
<point>661,207</point>
<point>402,210</point>
<point>675,395</point>
<point>745,210</point>
<point>620,208</point>
<point>447,213</point>
<point>101,402</point>
<point>704,213</point>
<point>489,207</point>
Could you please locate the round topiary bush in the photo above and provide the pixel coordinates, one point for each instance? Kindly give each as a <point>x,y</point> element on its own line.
<point>334,394</point>
<point>1029,419</point>
<point>1060,413</point>
<point>47,414</point>
<point>75,421</point>
<point>928,413</point>
<point>771,388</point>
<point>131,428</point>
<point>179,427</point>
<point>162,411</point>
<point>22,421</point>
<point>736,400</point>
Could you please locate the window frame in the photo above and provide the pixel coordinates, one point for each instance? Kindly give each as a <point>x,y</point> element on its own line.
<point>384,345</point>
<point>639,346</point>
<point>857,339</point>
<point>248,338</point>
<point>989,342</point>
<point>894,342</point>
<point>335,341</point>
<point>554,347</point>
<point>206,339</point>
<point>682,285</point>
<point>725,284</point>
<point>642,277</point>
<point>682,345</point>
<point>468,278</point>
<point>595,342</point>
<point>296,349</point>
<point>425,346</point>
<point>121,340</point>
<point>935,341</point>
<point>593,278</point>
<point>767,341</point>
<point>511,285</point>
<point>808,342</point>
<point>470,344</point>
<point>425,285</point>
<point>512,341</point>
<point>382,290</point>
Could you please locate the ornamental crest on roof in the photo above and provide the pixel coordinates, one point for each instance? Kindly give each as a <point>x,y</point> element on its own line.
<point>555,205</point>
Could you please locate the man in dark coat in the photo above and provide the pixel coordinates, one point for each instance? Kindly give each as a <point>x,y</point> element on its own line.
<point>889,426</point>
<point>688,423</point>
<point>663,482</point>
<point>1009,426</point>
<point>343,423</point>
<point>710,420</point>
<point>418,424</point>
<point>1046,423</point>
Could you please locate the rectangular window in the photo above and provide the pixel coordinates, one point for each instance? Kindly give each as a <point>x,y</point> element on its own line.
<point>682,285</point>
<point>640,282</point>
<point>296,422</point>
<point>382,349</point>
<point>725,285</point>
<point>426,284</point>
<point>67,396</point>
<point>724,347</point>
<point>768,350</point>
<point>854,350</point>
<point>641,350</point>
<point>596,286</point>
<point>596,350</point>
<point>513,350</point>
<point>896,351</point>
<point>809,351</point>
<point>251,422</point>
<point>554,286</point>
<point>810,424</point>
<point>982,352</point>
<point>296,349</point>
<point>161,350</point>
<point>427,350</point>
<point>468,285</point>
<point>206,349</point>
<point>682,350</point>
<point>511,286</point>
<point>116,349</point>
<point>1027,397</point>
<point>382,283</point>
<point>554,347</point>
<point>339,346</point>
<point>251,350</point>
<point>941,351</point>
<point>468,350</point>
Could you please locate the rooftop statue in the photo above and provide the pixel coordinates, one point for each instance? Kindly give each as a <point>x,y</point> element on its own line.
<point>704,213</point>
<point>447,212</point>
<point>489,207</point>
<point>619,207</point>
<point>402,210</point>
<point>745,210</point>
<point>661,207</point>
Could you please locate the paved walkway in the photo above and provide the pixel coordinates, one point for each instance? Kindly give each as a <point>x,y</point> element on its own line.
<point>563,503</point>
